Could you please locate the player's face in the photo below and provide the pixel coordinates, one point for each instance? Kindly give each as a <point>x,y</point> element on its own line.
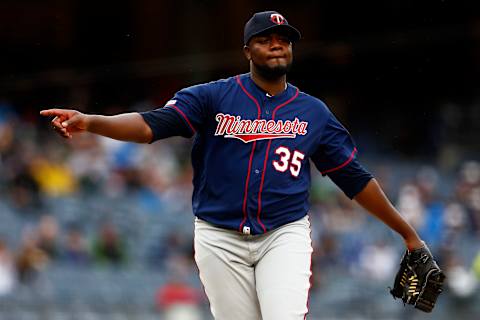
<point>270,54</point>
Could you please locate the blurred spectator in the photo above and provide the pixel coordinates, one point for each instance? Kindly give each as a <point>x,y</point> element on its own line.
<point>179,301</point>
<point>21,189</point>
<point>123,161</point>
<point>7,272</point>
<point>75,250</point>
<point>158,173</point>
<point>176,298</point>
<point>476,265</point>
<point>167,250</point>
<point>325,251</point>
<point>47,236</point>
<point>89,164</point>
<point>24,192</point>
<point>455,222</point>
<point>342,215</point>
<point>410,205</point>
<point>468,192</point>
<point>108,247</point>
<point>432,229</point>
<point>379,261</point>
<point>469,178</point>
<point>461,280</point>
<point>54,179</point>
<point>474,205</point>
<point>30,258</point>
<point>325,256</point>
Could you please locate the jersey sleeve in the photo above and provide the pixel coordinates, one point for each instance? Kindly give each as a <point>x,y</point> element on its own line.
<point>336,158</point>
<point>191,105</point>
<point>166,122</point>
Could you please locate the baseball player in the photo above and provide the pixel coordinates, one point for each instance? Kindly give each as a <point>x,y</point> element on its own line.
<point>254,135</point>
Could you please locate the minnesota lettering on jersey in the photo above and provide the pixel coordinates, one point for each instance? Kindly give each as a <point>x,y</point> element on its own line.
<point>247,130</point>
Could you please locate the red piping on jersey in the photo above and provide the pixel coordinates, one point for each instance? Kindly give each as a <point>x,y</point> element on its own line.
<point>352,155</point>
<point>244,207</point>
<point>185,117</point>
<point>261,187</point>
<point>284,104</point>
<point>266,160</point>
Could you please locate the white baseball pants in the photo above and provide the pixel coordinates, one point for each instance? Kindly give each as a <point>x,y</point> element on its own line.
<point>261,277</point>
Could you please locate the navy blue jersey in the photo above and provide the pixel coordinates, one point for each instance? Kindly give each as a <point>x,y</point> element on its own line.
<point>251,152</point>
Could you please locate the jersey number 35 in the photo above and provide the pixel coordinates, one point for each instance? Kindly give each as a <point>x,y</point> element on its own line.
<point>288,161</point>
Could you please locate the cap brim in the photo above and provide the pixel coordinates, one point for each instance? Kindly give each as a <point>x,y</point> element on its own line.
<point>292,33</point>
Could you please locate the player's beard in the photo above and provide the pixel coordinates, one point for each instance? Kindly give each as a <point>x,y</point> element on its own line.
<point>272,73</point>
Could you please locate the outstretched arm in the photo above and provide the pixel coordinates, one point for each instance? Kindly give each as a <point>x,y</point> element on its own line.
<point>124,127</point>
<point>375,201</point>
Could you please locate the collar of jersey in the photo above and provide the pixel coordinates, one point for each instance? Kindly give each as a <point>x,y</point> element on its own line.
<point>261,94</point>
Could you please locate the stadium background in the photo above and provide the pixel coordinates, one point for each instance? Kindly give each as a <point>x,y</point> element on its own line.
<point>95,229</point>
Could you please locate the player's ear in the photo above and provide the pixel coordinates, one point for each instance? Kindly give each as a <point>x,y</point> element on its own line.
<point>246,52</point>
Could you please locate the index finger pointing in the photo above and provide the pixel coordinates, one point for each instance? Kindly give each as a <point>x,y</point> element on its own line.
<point>52,112</point>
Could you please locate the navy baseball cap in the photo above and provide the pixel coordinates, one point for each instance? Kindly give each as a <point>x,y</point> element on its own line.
<point>267,20</point>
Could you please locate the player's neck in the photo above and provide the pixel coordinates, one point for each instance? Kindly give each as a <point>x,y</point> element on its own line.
<point>270,86</point>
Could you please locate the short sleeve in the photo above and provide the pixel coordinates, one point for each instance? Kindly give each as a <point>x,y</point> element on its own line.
<point>165,123</point>
<point>336,157</point>
<point>336,147</point>
<point>191,104</point>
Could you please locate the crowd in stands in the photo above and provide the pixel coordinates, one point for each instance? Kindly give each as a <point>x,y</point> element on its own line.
<point>39,170</point>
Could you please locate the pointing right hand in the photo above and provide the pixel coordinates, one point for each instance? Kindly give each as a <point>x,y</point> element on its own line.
<point>66,122</point>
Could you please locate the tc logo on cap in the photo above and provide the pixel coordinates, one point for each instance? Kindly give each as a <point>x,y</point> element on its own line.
<point>277,18</point>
